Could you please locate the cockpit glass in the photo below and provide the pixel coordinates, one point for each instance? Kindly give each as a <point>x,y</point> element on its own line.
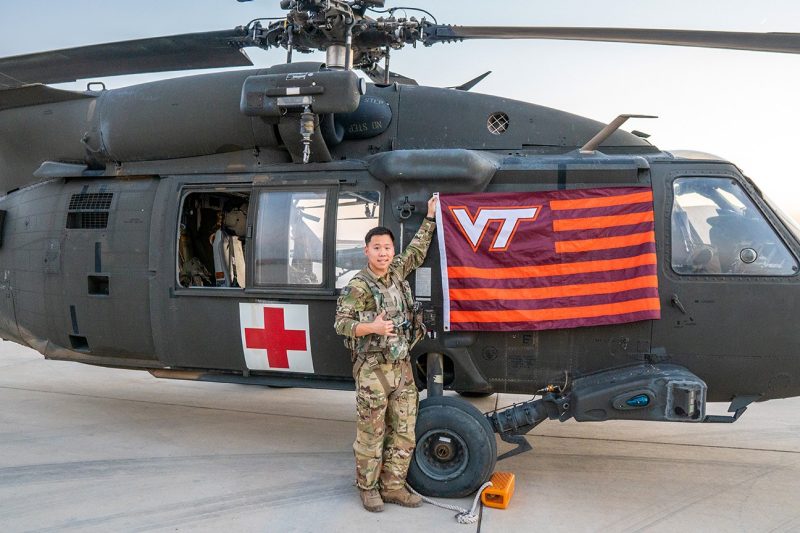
<point>717,230</point>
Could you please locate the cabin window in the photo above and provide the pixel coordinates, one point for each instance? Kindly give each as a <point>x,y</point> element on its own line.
<point>717,230</point>
<point>289,235</point>
<point>357,213</point>
<point>212,240</point>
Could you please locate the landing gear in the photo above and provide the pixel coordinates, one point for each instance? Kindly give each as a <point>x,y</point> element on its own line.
<point>435,374</point>
<point>456,449</point>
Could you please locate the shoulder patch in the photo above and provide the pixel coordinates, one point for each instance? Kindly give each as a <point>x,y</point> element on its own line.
<point>354,291</point>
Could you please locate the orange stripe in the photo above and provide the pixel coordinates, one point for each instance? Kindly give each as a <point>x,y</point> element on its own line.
<point>568,224</point>
<point>583,289</point>
<point>562,269</point>
<point>560,313</point>
<point>605,201</point>
<point>605,243</point>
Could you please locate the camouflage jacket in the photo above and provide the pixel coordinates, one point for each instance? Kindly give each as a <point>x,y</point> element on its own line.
<point>357,303</point>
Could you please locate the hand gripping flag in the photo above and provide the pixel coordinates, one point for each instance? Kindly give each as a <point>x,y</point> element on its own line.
<point>547,260</point>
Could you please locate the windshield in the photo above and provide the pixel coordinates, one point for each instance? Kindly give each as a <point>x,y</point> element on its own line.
<point>716,229</point>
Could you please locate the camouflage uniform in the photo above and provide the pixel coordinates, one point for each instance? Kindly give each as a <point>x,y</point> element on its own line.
<point>385,428</point>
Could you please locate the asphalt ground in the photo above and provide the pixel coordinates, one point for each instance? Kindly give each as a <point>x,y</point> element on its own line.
<point>93,449</point>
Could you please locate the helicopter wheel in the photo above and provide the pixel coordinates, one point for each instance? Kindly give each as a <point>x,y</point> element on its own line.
<point>456,449</point>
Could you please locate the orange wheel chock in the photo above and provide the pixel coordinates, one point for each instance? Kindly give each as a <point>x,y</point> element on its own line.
<point>499,494</point>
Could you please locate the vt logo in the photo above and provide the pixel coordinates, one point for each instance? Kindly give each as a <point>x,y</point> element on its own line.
<point>509,218</point>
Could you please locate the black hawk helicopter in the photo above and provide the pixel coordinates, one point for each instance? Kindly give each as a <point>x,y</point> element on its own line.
<point>202,227</point>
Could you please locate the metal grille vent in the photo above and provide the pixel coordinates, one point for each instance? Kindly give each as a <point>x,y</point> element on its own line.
<point>87,220</point>
<point>497,123</point>
<point>89,210</point>
<point>93,201</point>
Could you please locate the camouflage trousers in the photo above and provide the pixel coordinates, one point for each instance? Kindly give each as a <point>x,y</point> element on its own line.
<point>385,428</point>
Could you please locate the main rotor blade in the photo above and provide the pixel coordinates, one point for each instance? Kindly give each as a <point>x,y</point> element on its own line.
<point>175,52</point>
<point>762,42</point>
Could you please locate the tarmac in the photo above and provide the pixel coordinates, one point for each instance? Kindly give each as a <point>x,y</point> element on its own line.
<point>94,449</point>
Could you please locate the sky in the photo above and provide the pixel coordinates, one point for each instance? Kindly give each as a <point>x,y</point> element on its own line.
<point>734,104</point>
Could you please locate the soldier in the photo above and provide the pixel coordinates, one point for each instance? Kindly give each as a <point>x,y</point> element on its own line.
<point>380,322</point>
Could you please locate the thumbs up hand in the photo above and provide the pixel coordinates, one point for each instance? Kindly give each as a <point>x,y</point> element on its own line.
<point>382,326</point>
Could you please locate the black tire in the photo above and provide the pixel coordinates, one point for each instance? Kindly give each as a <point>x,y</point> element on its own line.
<point>473,394</point>
<point>456,449</point>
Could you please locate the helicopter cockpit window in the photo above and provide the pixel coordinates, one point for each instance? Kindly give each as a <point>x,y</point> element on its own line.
<point>716,229</point>
<point>212,240</point>
<point>358,212</point>
<point>289,235</point>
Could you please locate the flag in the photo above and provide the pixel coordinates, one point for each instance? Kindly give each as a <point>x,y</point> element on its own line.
<point>547,260</point>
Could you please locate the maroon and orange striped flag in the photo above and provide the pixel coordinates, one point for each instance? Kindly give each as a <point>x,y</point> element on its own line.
<point>548,260</point>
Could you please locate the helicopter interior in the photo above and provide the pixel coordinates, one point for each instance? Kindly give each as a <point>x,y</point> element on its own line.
<point>716,229</point>
<point>212,240</point>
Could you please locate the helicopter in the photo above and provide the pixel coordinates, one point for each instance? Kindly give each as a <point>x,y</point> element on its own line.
<point>203,227</point>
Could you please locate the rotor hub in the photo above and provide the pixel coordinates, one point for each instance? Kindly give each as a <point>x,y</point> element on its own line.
<point>335,26</point>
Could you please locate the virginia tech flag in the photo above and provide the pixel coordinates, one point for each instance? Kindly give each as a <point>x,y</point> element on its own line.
<point>547,260</point>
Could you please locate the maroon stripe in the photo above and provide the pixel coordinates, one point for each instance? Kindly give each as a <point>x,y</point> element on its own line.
<point>550,303</point>
<point>613,210</point>
<point>527,257</point>
<point>556,324</point>
<point>553,281</point>
<point>597,233</point>
<point>613,253</point>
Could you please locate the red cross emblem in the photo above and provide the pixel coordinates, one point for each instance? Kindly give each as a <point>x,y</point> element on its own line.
<point>275,338</point>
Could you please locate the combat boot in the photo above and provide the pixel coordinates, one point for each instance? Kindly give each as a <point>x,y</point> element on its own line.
<point>371,500</point>
<point>401,496</point>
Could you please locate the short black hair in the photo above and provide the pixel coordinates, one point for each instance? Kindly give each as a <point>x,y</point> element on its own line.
<point>380,230</point>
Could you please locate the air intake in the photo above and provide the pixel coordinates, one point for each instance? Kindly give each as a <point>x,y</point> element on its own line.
<point>90,201</point>
<point>89,210</point>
